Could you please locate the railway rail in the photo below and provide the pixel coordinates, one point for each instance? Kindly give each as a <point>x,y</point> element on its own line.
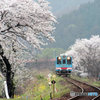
<point>85,88</point>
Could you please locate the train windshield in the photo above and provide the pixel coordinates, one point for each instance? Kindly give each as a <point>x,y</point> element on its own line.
<point>58,61</point>
<point>64,61</point>
<point>69,61</point>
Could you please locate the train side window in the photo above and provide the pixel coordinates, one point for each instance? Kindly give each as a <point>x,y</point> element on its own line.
<point>64,61</point>
<point>58,61</point>
<point>69,61</point>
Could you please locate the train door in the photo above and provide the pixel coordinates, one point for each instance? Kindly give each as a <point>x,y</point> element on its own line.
<point>64,63</point>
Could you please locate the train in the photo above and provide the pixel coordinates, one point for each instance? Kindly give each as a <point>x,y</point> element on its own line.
<point>63,65</point>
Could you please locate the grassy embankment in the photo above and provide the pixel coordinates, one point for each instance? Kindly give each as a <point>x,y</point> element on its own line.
<point>91,81</point>
<point>41,87</point>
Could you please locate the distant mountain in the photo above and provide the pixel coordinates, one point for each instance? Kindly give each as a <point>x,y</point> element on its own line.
<point>64,6</point>
<point>65,11</point>
<point>81,23</point>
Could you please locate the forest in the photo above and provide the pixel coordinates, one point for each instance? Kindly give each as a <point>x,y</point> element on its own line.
<point>81,23</point>
<point>63,4</point>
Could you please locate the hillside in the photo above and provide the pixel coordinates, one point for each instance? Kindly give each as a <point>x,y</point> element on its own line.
<point>65,6</point>
<point>81,23</point>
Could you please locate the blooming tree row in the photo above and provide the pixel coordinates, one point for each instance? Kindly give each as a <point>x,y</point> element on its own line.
<point>86,54</point>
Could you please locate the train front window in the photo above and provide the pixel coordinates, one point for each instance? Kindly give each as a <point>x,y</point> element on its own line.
<point>58,61</point>
<point>69,61</point>
<point>64,61</point>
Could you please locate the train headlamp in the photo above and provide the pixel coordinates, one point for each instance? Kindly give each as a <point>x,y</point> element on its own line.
<point>68,58</point>
<point>59,58</point>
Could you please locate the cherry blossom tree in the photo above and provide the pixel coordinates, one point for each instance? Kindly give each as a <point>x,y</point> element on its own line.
<point>86,54</point>
<point>20,21</point>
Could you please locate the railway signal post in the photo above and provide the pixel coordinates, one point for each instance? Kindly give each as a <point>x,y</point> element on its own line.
<point>41,97</point>
<point>53,82</point>
<point>49,79</point>
<point>50,95</point>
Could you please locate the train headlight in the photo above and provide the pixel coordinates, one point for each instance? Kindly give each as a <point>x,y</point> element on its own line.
<point>59,58</point>
<point>68,58</point>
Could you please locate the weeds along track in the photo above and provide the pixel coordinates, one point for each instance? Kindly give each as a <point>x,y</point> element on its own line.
<point>85,88</point>
<point>74,87</point>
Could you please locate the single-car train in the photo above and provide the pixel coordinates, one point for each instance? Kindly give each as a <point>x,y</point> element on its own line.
<point>63,65</point>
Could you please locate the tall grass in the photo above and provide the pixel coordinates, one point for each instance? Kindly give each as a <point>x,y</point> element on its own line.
<point>90,81</point>
<point>41,87</point>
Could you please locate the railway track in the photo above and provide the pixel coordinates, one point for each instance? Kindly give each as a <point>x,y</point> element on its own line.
<point>84,88</point>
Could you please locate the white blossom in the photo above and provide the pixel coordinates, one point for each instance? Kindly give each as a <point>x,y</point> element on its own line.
<point>86,54</point>
<point>28,20</point>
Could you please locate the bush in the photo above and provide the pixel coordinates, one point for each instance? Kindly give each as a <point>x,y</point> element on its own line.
<point>40,77</point>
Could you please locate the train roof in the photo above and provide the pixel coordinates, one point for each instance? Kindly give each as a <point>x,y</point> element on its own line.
<point>64,55</point>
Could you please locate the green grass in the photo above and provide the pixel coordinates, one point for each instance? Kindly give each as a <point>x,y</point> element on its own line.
<point>81,79</point>
<point>90,81</point>
<point>34,91</point>
<point>42,88</point>
<point>96,83</point>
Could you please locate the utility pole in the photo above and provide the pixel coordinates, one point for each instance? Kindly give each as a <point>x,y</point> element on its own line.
<point>54,51</point>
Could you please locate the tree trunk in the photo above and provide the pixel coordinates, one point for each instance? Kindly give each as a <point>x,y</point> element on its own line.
<point>9,77</point>
<point>9,74</point>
